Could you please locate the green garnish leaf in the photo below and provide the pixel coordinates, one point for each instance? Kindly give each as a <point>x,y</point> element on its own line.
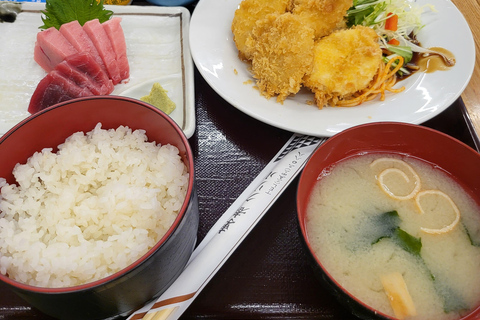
<point>364,12</point>
<point>404,51</point>
<point>58,12</point>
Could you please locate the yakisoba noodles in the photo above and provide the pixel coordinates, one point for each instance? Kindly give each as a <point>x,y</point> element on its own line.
<point>384,80</point>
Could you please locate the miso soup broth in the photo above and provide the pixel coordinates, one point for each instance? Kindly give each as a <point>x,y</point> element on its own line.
<point>369,219</point>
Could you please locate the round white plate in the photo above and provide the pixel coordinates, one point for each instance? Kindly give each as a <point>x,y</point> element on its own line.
<point>425,96</point>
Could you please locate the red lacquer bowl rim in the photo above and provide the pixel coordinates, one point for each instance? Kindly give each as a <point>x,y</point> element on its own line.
<point>342,139</point>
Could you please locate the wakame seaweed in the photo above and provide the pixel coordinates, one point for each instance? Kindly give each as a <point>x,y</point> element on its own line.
<point>389,228</point>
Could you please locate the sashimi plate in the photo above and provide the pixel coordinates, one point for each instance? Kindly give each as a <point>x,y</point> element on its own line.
<point>425,96</point>
<point>157,47</point>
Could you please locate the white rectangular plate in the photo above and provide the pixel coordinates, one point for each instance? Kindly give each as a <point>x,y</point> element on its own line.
<point>157,48</point>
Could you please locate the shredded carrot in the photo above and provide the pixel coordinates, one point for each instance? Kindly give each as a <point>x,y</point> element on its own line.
<point>383,81</point>
<point>394,42</point>
<point>392,22</point>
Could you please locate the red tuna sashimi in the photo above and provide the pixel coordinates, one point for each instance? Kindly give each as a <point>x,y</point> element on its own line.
<point>104,47</point>
<point>54,46</point>
<point>86,72</point>
<point>76,35</point>
<point>55,88</point>
<point>87,65</point>
<point>117,38</point>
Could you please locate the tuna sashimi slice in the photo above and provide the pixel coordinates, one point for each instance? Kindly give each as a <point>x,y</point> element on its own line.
<point>55,88</point>
<point>117,38</point>
<point>86,72</point>
<point>76,35</point>
<point>99,37</point>
<point>41,58</point>
<point>54,45</point>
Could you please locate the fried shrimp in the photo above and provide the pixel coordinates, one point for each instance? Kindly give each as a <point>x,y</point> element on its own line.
<point>282,54</point>
<point>345,62</point>
<point>324,16</point>
<point>247,15</point>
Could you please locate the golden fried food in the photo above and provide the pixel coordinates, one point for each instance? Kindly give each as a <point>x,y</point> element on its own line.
<point>247,15</point>
<point>345,62</point>
<point>324,16</point>
<point>282,54</point>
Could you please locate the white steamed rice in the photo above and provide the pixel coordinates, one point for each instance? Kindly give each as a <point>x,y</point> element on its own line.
<point>89,210</point>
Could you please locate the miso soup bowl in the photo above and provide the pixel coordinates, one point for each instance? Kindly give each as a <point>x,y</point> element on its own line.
<point>461,161</point>
<point>127,290</point>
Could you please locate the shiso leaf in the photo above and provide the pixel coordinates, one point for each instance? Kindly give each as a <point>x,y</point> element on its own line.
<point>58,12</point>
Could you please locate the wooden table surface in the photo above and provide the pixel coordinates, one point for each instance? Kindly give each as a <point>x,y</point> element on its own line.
<point>471,96</point>
<point>268,276</point>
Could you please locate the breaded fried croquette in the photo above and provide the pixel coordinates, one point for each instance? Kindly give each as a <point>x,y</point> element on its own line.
<point>324,16</point>
<point>345,62</point>
<point>282,54</point>
<point>247,15</point>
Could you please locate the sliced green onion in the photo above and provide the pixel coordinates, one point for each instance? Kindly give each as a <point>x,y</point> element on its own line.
<point>402,70</point>
<point>404,51</point>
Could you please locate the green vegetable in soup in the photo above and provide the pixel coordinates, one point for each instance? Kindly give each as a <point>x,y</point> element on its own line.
<point>452,300</point>
<point>407,242</point>
<point>388,227</point>
<point>473,237</point>
<point>384,226</point>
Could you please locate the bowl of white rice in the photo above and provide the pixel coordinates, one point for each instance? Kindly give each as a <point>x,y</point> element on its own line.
<point>98,207</point>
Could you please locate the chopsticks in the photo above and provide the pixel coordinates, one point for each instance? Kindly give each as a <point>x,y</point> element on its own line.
<point>231,228</point>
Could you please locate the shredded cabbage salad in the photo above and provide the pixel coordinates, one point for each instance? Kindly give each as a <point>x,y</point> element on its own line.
<point>395,21</point>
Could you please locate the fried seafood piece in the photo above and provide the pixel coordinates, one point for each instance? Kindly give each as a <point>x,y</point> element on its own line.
<point>282,54</point>
<point>247,15</point>
<point>324,16</point>
<point>345,62</point>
